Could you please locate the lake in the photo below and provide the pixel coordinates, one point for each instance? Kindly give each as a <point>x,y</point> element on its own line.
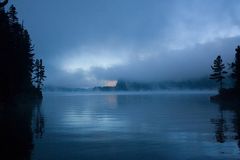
<point>133,125</point>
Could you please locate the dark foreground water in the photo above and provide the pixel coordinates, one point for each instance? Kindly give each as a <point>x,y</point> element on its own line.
<point>127,126</point>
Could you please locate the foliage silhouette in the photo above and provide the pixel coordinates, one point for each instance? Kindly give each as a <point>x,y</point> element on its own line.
<point>39,73</point>
<point>230,94</point>
<point>236,69</point>
<point>218,71</point>
<point>16,57</point>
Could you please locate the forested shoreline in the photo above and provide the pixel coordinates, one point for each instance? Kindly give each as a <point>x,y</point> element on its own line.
<point>21,73</point>
<point>221,73</point>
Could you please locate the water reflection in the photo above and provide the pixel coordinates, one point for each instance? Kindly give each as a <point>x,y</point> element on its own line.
<point>227,125</point>
<point>236,122</point>
<point>112,101</point>
<point>134,126</point>
<point>16,136</point>
<point>220,128</point>
<point>39,121</point>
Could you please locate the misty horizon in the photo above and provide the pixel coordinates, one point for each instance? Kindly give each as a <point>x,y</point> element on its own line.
<point>119,79</point>
<point>89,43</point>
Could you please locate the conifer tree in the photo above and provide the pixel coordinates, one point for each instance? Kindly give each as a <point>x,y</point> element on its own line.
<point>236,69</point>
<point>39,73</point>
<point>218,71</point>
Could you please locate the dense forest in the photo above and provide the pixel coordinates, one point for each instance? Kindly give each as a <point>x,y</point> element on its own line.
<point>20,73</point>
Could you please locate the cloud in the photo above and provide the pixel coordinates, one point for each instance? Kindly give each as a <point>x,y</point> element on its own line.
<point>178,65</point>
<point>88,57</point>
<point>142,40</point>
<point>201,22</point>
<point>155,66</point>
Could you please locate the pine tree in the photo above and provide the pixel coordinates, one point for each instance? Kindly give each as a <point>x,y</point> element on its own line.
<point>39,74</point>
<point>218,71</point>
<point>236,69</point>
<point>42,72</point>
<point>12,14</point>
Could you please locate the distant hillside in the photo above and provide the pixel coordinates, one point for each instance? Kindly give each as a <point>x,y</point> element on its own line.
<point>123,85</point>
<point>195,84</point>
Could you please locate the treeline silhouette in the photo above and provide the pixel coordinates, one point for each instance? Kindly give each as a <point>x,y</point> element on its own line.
<point>20,72</point>
<point>220,74</point>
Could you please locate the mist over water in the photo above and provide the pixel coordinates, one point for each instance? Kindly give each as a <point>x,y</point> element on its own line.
<point>120,80</point>
<point>135,126</point>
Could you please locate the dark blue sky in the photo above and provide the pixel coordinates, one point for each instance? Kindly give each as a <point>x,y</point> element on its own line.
<point>88,42</point>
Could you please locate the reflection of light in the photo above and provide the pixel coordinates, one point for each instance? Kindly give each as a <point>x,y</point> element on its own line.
<point>112,101</point>
<point>91,120</point>
<point>110,83</point>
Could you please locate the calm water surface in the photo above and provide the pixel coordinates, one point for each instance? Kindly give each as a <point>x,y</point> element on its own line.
<point>131,126</point>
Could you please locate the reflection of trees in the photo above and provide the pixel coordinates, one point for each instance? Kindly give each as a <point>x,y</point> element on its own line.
<point>236,122</point>
<point>16,136</point>
<point>220,127</point>
<point>220,123</point>
<point>39,122</point>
